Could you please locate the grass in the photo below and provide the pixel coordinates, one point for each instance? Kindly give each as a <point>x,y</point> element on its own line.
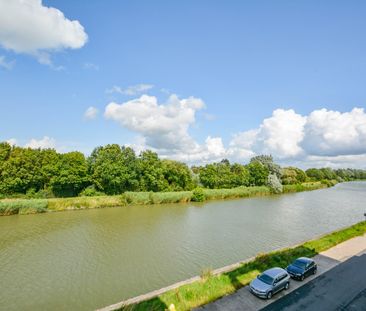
<point>31,206</point>
<point>212,287</point>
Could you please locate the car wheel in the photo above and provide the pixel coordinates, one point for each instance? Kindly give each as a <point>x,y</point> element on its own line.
<point>269,295</point>
<point>302,277</point>
<point>314,271</point>
<point>287,285</point>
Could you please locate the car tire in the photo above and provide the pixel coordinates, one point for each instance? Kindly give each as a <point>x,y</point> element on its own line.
<point>314,271</point>
<point>287,285</point>
<point>302,277</point>
<point>269,295</point>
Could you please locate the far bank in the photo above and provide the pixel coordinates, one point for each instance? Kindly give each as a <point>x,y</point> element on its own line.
<point>34,206</point>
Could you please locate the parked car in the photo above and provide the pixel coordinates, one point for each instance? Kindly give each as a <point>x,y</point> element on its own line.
<point>301,268</point>
<point>270,282</point>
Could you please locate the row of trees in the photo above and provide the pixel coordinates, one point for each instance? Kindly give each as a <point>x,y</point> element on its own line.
<point>113,169</point>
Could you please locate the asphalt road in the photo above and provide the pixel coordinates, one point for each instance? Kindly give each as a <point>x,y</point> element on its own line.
<point>244,300</point>
<point>341,288</point>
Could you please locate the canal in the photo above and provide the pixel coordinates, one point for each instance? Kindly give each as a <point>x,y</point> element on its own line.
<point>81,260</point>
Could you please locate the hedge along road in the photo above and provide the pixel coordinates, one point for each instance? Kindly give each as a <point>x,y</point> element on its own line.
<point>83,260</point>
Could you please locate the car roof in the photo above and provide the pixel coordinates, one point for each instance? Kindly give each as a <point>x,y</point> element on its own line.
<point>274,272</point>
<point>305,259</point>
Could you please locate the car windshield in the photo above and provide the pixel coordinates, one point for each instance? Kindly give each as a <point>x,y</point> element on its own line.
<point>300,264</point>
<point>266,278</point>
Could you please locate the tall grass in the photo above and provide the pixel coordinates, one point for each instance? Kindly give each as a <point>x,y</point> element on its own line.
<point>27,206</point>
<point>212,287</point>
<point>239,192</point>
<point>32,206</point>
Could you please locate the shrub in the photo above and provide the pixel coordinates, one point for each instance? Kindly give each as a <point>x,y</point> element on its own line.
<point>90,192</point>
<point>198,195</point>
<point>274,184</point>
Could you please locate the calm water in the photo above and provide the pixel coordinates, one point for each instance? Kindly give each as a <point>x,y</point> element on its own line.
<point>82,260</point>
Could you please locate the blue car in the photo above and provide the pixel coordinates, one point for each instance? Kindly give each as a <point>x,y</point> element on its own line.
<point>301,268</point>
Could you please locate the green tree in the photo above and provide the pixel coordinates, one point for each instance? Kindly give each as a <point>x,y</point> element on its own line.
<point>113,169</point>
<point>72,175</point>
<point>293,175</point>
<point>267,161</point>
<point>151,172</point>
<point>178,175</point>
<point>258,173</point>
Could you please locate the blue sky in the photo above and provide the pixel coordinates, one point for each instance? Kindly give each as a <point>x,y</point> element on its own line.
<point>243,59</point>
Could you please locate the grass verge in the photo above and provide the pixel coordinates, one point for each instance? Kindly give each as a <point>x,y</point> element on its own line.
<point>213,287</point>
<point>31,206</point>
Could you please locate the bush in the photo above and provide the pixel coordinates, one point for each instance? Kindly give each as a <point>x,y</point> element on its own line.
<point>198,195</point>
<point>90,192</point>
<point>274,184</point>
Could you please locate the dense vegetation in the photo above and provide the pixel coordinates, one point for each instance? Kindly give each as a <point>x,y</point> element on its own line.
<point>112,169</point>
<point>211,287</point>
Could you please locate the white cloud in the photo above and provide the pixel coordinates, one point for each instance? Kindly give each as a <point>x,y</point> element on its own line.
<point>12,141</point>
<point>331,133</point>
<point>91,113</point>
<point>279,135</point>
<point>26,26</point>
<point>44,143</point>
<point>6,64</point>
<point>165,127</point>
<point>131,90</point>
<point>323,138</point>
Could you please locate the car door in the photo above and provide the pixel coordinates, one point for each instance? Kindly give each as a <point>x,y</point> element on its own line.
<point>280,284</point>
<point>309,268</point>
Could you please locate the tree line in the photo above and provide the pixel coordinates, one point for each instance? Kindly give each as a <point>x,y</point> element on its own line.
<point>114,169</point>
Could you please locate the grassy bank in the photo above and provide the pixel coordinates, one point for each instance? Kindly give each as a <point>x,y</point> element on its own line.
<point>210,287</point>
<point>31,206</point>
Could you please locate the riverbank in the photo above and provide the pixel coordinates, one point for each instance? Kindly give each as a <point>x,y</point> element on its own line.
<point>33,206</point>
<point>201,290</point>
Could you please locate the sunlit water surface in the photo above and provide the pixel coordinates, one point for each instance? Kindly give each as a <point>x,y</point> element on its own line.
<point>82,260</point>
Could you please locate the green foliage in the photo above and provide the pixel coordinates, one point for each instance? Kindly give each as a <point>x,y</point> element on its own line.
<point>178,175</point>
<point>258,173</point>
<point>198,195</point>
<point>267,161</point>
<point>113,169</point>
<point>151,172</point>
<point>72,175</point>
<point>223,175</point>
<point>293,175</point>
<point>90,191</point>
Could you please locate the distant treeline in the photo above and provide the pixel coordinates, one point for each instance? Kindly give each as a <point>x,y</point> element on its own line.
<point>114,169</point>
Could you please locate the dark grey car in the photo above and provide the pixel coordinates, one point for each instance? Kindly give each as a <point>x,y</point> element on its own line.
<point>270,282</point>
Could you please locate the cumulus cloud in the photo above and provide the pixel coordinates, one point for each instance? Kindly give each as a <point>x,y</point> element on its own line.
<point>91,113</point>
<point>279,135</point>
<point>27,26</point>
<point>322,138</point>
<point>44,143</point>
<point>131,90</point>
<point>165,126</point>
<point>6,64</point>
<point>331,133</point>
